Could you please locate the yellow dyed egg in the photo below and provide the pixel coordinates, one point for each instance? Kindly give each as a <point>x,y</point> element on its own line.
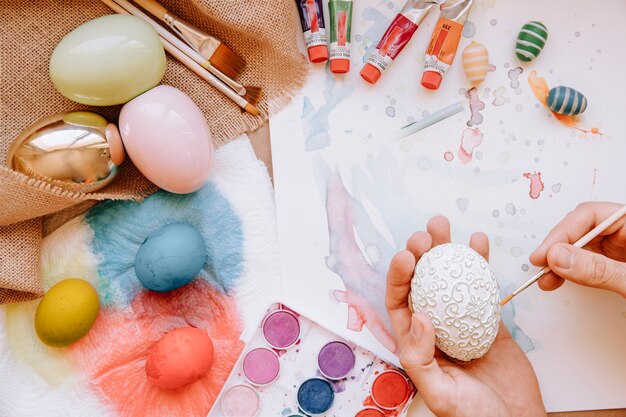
<point>475,62</point>
<point>66,312</point>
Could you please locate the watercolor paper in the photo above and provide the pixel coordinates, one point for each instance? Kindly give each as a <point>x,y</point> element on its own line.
<point>348,197</point>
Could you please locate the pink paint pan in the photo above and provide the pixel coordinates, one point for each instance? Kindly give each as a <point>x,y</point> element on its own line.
<point>261,366</point>
<point>281,329</point>
<point>241,401</point>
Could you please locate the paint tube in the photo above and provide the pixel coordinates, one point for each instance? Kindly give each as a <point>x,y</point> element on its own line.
<point>340,23</point>
<point>396,37</point>
<point>312,19</point>
<point>445,41</point>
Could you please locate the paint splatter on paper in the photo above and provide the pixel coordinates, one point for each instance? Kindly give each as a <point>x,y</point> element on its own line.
<point>514,76</point>
<point>470,140</point>
<point>448,156</point>
<point>498,96</point>
<point>536,185</point>
<point>476,105</point>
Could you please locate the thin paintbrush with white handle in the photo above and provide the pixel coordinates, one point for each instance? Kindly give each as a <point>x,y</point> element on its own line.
<point>595,232</point>
<point>195,67</point>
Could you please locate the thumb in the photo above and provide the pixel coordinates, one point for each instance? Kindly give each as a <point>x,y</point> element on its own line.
<point>587,268</point>
<point>417,358</point>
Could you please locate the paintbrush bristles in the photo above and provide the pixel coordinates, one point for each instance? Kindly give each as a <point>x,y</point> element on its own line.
<point>253,94</point>
<point>227,61</point>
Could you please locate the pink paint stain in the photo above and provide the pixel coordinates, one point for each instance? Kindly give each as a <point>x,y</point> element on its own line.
<point>470,140</point>
<point>476,105</point>
<point>536,185</point>
<point>365,287</point>
<point>114,352</point>
<point>448,156</point>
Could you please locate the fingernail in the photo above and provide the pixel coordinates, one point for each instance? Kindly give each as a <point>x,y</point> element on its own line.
<point>565,259</point>
<point>416,327</point>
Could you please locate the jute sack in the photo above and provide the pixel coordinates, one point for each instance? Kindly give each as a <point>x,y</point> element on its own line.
<point>264,33</point>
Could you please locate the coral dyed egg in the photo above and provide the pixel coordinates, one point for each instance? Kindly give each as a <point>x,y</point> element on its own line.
<point>168,139</point>
<point>566,101</point>
<point>475,59</point>
<point>108,61</point>
<point>66,312</point>
<point>457,289</point>
<point>181,357</point>
<point>530,41</point>
<point>170,257</point>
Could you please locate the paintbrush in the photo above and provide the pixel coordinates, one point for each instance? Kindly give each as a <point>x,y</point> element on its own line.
<point>221,56</point>
<point>250,93</point>
<point>194,66</point>
<point>429,120</point>
<point>595,232</point>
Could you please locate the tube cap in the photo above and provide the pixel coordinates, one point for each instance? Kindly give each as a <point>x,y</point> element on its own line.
<point>318,53</point>
<point>431,80</point>
<point>370,73</point>
<point>339,66</point>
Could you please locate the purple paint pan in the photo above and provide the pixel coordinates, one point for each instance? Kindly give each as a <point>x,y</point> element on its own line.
<point>281,329</point>
<point>336,360</point>
<point>261,366</point>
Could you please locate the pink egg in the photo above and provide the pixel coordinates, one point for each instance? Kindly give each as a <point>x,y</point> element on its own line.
<point>168,139</point>
<point>181,357</point>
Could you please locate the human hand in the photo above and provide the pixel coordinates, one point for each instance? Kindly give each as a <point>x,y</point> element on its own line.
<point>601,264</point>
<point>501,383</point>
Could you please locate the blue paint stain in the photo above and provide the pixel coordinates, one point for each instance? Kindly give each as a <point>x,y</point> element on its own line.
<point>372,36</point>
<point>508,318</point>
<point>315,123</point>
<point>121,227</point>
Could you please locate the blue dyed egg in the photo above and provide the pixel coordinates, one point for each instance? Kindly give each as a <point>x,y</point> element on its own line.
<point>566,101</point>
<point>170,257</point>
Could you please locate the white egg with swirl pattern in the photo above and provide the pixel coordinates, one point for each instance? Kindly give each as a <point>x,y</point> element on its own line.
<point>457,289</point>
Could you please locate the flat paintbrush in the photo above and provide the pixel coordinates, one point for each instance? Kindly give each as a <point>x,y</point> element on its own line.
<point>220,55</point>
<point>250,93</point>
<point>194,66</point>
<point>595,232</point>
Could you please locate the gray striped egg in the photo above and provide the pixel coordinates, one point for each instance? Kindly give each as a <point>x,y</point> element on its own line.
<point>531,40</point>
<point>475,62</point>
<point>566,101</point>
<point>457,289</point>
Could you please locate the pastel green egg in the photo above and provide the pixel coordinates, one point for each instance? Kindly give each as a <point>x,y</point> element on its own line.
<point>108,61</point>
<point>66,312</point>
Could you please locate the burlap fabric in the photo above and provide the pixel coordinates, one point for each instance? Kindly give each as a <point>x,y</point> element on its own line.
<point>264,33</point>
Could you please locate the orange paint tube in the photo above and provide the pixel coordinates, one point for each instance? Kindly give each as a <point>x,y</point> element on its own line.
<point>445,41</point>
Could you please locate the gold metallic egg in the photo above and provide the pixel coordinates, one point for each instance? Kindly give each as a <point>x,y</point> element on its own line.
<point>77,151</point>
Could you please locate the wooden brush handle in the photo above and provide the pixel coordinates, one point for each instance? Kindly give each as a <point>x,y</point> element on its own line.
<point>154,7</point>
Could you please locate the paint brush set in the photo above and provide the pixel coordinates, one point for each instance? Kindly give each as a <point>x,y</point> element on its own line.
<point>291,366</point>
<point>202,53</point>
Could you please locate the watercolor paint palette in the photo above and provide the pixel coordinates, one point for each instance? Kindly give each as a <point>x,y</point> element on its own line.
<point>292,366</point>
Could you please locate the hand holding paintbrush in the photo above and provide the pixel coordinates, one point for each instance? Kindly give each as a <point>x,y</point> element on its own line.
<point>602,266</point>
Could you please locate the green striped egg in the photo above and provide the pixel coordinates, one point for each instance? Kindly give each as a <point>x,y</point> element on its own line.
<point>566,101</point>
<point>531,40</point>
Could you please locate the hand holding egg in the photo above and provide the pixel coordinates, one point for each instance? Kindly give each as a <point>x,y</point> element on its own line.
<point>444,385</point>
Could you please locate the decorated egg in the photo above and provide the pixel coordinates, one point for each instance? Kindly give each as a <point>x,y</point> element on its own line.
<point>531,40</point>
<point>457,289</point>
<point>566,101</point>
<point>475,59</point>
<point>170,257</point>
<point>66,312</point>
<point>78,151</point>
<point>168,139</point>
<point>108,61</point>
<point>179,358</point>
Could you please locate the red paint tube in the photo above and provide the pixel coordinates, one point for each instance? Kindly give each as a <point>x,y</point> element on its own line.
<point>396,37</point>
<point>312,20</point>
<point>445,41</point>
